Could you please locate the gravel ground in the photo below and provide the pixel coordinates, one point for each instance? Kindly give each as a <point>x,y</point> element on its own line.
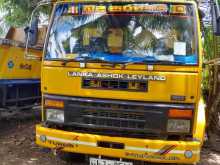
<point>18,147</point>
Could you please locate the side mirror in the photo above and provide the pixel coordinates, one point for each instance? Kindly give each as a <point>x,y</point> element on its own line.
<point>32,32</point>
<point>31,35</point>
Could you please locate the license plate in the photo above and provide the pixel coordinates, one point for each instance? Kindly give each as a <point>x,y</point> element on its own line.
<point>94,161</point>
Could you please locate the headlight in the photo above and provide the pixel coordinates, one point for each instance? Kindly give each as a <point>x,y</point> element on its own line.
<point>180,126</point>
<point>55,115</point>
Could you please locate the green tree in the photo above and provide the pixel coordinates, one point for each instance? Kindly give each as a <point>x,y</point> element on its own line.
<point>17,11</point>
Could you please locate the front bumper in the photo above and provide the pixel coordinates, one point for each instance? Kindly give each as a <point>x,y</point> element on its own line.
<point>160,151</point>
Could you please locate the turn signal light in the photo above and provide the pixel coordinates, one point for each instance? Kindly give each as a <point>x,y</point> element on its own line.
<point>54,103</point>
<point>180,113</point>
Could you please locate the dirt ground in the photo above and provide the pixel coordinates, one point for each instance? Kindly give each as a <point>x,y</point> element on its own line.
<point>17,146</point>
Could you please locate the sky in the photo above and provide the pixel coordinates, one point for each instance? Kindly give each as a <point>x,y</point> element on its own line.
<point>3,25</point>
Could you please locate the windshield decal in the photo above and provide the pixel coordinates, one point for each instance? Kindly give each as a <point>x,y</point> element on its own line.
<point>180,48</point>
<point>178,9</point>
<point>73,9</point>
<point>139,8</point>
<point>131,8</point>
<point>89,9</point>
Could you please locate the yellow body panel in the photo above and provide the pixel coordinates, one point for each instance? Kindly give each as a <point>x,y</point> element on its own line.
<point>13,64</point>
<point>176,83</point>
<point>136,149</point>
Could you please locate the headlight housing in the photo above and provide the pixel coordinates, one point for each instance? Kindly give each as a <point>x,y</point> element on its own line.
<point>55,115</point>
<point>178,126</point>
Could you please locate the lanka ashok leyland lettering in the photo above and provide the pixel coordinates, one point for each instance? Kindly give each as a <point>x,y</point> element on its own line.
<point>99,96</point>
<point>116,76</point>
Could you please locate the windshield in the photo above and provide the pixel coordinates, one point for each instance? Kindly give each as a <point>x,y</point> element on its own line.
<point>123,33</point>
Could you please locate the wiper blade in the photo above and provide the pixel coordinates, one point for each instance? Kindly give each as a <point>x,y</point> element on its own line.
<point>81,59</point>
<point>151,62</point>
<point>91,59</point>
<point>66,61</point>
<point>169,62</point>
<point>86,60</point>
<point>106,63</point>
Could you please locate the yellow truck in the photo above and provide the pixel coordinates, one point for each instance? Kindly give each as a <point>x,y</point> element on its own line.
<point>121,81</point>
<point>19,77</point>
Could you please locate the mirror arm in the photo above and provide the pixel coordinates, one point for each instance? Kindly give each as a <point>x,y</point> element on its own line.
<point>41,3</point>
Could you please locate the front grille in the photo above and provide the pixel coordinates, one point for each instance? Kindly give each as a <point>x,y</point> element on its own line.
<point>117,117</point>
<point>105,84</point>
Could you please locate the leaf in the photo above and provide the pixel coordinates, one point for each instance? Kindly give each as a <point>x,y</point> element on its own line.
<point>18,12</point>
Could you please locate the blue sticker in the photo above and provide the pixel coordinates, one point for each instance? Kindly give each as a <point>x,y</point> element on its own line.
<point>10,64</point>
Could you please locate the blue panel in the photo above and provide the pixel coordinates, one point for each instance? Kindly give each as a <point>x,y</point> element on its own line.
<point>122,58</point>
<point>19,81</point>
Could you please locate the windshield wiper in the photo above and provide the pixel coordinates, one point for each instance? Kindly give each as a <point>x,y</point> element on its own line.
<point>169,62</point>
<point>89,59</point>
<point>66,61</point>
<point>105,63</point>
<point>151,62</point>
<point>80,59</point>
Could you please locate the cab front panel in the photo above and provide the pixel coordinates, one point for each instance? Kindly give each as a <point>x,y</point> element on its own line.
<point>156,86</point>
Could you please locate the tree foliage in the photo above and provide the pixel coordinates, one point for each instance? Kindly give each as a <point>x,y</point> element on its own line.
<point>17,12</point>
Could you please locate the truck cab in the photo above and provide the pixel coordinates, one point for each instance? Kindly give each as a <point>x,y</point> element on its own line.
<point>121,81</point>
<point>19,76</point>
